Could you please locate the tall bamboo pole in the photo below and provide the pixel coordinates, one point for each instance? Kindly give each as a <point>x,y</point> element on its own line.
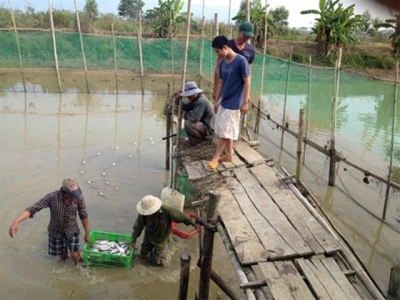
<point>308,106</point>
<point>18,47</point>
<point>229,19</point>
<point>394,109</point>
<point>299,147</point>
<point>332,161</point>
<point>183,79</point>
<point>82,48</point>
<point>203,22</point>
<point>115,58</point>
<point>216,28</point>
<point>140,50</point>
<point>248,10</point>
<point>287,86</point>
<point>54,46</point>
<point>260,94</point>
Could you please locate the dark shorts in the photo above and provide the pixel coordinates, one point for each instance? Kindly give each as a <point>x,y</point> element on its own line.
<point>58,246</point>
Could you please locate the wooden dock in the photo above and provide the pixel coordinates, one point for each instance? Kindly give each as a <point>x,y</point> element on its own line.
<point>281,243</point>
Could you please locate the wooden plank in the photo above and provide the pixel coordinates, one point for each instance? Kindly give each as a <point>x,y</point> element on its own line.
<point>293,280</point>
<point>251,156</point>
<point>276,282</point>
<point>247,246</point>
<point>340,278</point>
<point>195,169</point>
<point>306,224</point>
<point>334,290</point>
<point>269,237</point>
<point>271,213</point>
<point>236,162</point>
<point>314,282</point>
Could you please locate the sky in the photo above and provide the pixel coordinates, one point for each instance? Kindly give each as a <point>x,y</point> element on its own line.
<point>221,7</point>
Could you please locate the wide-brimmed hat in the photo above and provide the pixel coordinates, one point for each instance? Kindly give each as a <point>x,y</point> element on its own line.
<point>148,205</point>
<point>70,187</point>
<point>247,28</point>
<point>191,89</point>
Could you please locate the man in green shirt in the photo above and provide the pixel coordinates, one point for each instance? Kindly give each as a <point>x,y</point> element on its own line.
<point>156,219</point>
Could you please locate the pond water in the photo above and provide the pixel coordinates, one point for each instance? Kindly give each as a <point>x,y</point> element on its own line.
<point>112,144</point>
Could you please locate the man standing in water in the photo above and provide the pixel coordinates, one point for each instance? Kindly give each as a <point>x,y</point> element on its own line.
<point>63,228</point>
<point>156,219</point>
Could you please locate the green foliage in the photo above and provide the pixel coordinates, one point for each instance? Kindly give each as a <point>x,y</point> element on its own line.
<point>92,12</point>
<point>336,26</point>
<point>395,37</point>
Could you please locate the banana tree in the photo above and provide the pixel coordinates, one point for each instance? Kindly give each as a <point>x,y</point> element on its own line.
<point>395,36</point>
<point>336,26</point>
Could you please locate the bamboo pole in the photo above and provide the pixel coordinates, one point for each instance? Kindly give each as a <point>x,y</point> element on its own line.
<point>216,28</point>
<point>345,251</point>
<point>82,47</point>
<point>248,10</point>
<point>183,78</point>
<point>54,46</point>
<point>260,94</point>
<point>203,22</point>
<point>332,161</point>
<point>394,109</point>
<point>168,130</point>
<point>18,47</point>
<point>115,58</point>
<point>140,51</point>
<point>287,87</point>
<point>229,19</point>
<point>299,147</point>
<point>236,264</point>
<point>208,244</point>
<point>184,278</point>
<point>308,106</point>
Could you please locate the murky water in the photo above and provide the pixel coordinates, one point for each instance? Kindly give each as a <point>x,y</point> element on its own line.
<point>113,146</point>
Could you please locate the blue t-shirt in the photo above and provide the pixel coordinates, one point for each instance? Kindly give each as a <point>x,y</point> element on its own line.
<point>232,75</point>
<point>248,51</point>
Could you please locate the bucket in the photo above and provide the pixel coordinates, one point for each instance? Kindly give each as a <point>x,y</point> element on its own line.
<point>173,198</point>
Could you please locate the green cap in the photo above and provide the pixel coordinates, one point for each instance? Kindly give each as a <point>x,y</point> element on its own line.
<point>247,28</point>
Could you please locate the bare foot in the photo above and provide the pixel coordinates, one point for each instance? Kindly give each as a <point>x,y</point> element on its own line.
<point>64,256</point>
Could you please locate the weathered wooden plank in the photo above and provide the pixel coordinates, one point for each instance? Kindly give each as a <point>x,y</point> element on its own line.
<point>195,169</point>
<point>271,213</point>
<point>272,241</point>
<point>276,282</point>
<point>250,155</point>
<point>247,245</point>
<point>236,162</point>
<point>313,280</point>
<point>308,226</point>
<point>340,278</point>
<point>293,280</point>
<point>334,290</point>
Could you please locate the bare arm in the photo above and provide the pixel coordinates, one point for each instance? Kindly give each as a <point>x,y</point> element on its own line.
<point>14,226</point>
<point>85,224</point>
<point>216,78</point>
<point>218,94</point>
<point>246,96</point>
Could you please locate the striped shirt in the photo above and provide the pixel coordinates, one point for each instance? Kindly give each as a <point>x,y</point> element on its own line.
<point>62,216</point>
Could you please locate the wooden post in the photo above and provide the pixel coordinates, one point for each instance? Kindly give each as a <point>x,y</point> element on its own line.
<point>332,161</point>
<point>115,58</point>
<point>229,20</point>
<point>168,130</point>
<point>203,22</point>
<point>208,244</point>
<point>54,46</point>
<point>287,88</point>
<point>18,47</point>
<point>82,48</point>
<point>248,10</point>
<point>216,24</point>
<point>299,147</point>
<point>394,282</point>
<point>185,274</point>
<point>394,109</point>
<point>140,50</point>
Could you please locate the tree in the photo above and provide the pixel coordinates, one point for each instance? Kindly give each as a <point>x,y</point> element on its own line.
<point>166,18</point>
<point>336,26</point>
<point>91,13</point>
<point>130,8</point>
<point>280,16</point>
<point>395,36</point>
<point>257,17</point>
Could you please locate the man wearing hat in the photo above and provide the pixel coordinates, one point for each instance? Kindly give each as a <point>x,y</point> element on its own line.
<point>156,220</point>
<point>63,227</point>
<point>241,46</point>
<point>199,114</point>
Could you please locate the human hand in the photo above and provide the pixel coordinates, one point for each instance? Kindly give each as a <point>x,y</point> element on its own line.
<point>13,229</point>
<point>87,238</point>
<point>244,108</point>
<point>133,245</point>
